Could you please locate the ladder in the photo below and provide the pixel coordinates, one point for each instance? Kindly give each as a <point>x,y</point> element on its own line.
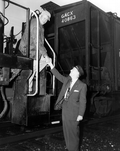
<point>38,65</point>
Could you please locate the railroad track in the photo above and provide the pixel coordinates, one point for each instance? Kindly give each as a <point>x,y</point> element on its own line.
<point>29,134</point>
<point>49,142</point>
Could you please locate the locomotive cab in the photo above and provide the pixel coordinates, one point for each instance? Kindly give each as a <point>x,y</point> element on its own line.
<point>18,105</point>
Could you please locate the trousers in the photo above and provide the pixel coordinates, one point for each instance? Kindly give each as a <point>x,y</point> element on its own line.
<point>71,134</point>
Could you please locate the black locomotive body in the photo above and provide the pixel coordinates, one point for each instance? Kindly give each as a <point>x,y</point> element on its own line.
<point>79,33</point>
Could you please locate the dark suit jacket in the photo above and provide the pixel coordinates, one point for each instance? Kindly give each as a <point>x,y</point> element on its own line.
<point>76,103</point>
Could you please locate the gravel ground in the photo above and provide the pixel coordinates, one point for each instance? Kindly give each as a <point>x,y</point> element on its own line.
<point>103,136</point>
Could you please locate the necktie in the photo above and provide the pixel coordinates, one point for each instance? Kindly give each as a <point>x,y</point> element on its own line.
<point>68,93</point>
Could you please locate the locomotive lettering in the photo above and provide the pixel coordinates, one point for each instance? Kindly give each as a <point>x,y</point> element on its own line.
<point>66,17</point>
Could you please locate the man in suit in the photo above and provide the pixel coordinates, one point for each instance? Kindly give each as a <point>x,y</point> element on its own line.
<point>74,104</point>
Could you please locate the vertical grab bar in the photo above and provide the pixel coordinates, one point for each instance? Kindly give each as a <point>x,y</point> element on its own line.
<point>37,59</point>
<point>53,63</point>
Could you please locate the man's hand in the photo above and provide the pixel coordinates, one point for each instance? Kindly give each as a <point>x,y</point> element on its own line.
<point>48,60</point>
<point>79,118</point>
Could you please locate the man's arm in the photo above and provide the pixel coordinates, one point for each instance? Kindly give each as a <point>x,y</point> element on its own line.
<point>56,73</point>
<point>82,106</point>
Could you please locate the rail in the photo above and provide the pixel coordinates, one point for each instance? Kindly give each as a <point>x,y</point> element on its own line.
<point>53,63</point>
<point>36,71</point>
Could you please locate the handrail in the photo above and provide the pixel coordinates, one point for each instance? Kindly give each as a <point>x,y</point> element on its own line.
<point>15,4</point>
<point>37,59</point>
<point>53,63</point>
<point>5,102</point>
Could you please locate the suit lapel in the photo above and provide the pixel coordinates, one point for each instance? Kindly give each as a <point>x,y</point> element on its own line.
<point>68,83</point>
<point>74,87</point>
<point>66,86</point>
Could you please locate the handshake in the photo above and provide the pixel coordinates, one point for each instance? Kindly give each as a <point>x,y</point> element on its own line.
<point>49,61</point>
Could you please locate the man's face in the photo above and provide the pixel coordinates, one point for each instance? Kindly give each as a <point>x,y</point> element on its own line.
<point>44,18</point>
<point>74,72</point>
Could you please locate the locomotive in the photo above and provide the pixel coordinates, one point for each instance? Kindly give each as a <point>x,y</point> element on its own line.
<point>78,33</point>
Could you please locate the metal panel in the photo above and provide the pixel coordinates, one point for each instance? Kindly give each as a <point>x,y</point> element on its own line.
<point>19,105</point>
<point>38,110</point>
<point>117,53</point>
<point>70,15</point>
<point>13,61</point>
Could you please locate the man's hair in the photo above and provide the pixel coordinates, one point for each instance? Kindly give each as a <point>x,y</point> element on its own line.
<point>45,12</point>
<point>80,70</point>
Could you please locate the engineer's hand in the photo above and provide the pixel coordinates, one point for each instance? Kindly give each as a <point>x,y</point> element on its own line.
<point>48,60</point>
<point>79,118</point>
